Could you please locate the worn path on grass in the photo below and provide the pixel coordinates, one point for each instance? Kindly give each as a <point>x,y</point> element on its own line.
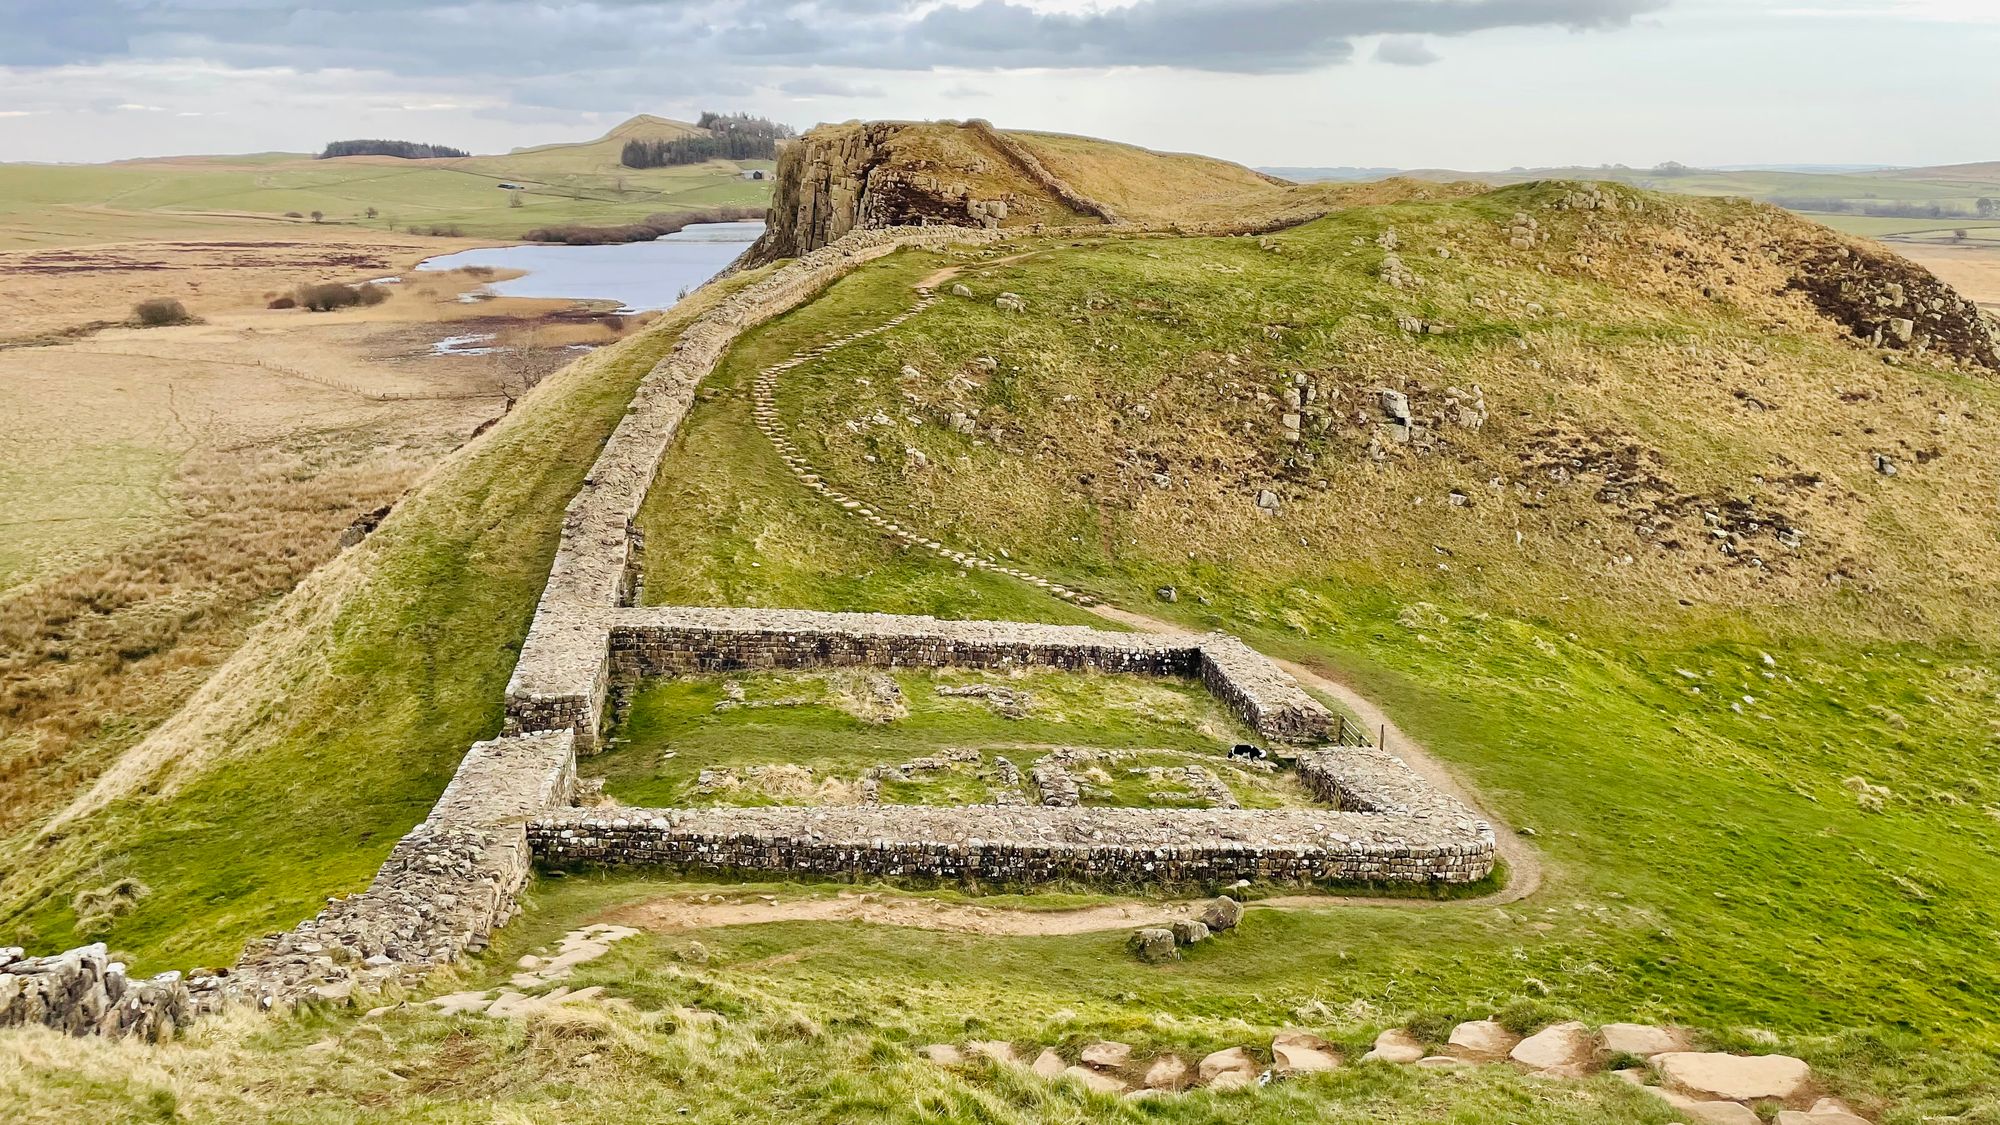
<point>1521,864</point>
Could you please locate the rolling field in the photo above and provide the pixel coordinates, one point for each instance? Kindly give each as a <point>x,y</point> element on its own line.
<point>59,206</point>
<point>67,205</point>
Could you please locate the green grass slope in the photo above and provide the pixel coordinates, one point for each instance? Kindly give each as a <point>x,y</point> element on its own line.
<point>1735,679</point>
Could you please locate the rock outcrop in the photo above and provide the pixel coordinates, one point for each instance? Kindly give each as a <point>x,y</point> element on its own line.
<point>841,178</point>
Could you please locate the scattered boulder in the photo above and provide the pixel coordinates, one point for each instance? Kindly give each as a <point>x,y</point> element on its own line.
<point>1222,914</point>
<point>1442,1062</point>
<point>1642,1040</point>
<point>1048,1064</point>
<point>1234,1061</point>
<point>1716,1113</point>
<point>1168,1072</point>
<point>1154,945</point>
<point>1564,1047</point>
<point>1187,931</point>
<point>1100,1083</point>
<point>1107,1055</point>
<point>1010,302</point>
<point>1267,501</point>
<point>1484,1040</point>
<point>1733,1077</point>
<point>1826,1111</point>
<point>943,1054</point>
<point>961,290</point>
<point>1300,1052</point>
<point>1396,1046</point>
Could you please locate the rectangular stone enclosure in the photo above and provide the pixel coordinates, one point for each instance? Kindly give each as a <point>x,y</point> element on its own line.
<point>1382,823</point>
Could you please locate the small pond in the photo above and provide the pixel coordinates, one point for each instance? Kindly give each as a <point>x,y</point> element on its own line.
<point>638,275</point>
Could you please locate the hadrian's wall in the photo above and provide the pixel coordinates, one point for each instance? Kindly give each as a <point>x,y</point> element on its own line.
<point>1033,168</point>
<point>1012,845</point>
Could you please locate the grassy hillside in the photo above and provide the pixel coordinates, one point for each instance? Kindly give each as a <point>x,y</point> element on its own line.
<point>1757,768</point>
<point>1842,200</point>
<point>1661,605</point>
<point>602,155</point>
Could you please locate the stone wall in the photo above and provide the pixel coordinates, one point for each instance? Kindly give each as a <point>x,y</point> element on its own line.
<point>568,653</point>
<point>560,679</point>
<point>1014,845</point>
<point>445,888</point>
<point>1032,167</point>
<point>84,992</point>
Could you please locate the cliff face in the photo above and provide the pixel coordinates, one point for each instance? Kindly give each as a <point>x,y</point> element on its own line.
<point>880,174</point>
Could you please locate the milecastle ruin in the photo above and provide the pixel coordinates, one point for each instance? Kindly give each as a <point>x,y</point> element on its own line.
<point>454,878</point>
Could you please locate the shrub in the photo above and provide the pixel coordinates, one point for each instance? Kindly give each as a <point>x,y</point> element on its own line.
<point>160,312</point>
<point>293,215</point>
<point>327,296</point>
<point>282,303</point>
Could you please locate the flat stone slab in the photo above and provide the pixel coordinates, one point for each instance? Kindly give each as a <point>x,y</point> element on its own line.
<point>1303,1053</point>
<point>1396,1046</point>
<point>1231,1061</point>
<point>1733,1077</point>
<point>1484,1040</point>
<point>1559,1045</point>
<point>1642,1040</point>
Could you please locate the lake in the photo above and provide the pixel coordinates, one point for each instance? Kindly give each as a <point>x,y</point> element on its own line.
<point>638,275</point>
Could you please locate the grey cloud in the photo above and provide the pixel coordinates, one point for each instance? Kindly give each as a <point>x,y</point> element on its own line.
<point>551,36</point>
<point>1405,50</point>
<point>608,54</point>
<point>1237,36</point>
<point>820,86</point>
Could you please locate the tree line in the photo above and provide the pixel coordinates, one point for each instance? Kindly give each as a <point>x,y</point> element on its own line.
<point>406,150</point>
<point>731,136</point>
<point>1985,207</point>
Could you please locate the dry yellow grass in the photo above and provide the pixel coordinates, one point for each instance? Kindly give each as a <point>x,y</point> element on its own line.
<point>1144,185</point>
<point>287,652</point>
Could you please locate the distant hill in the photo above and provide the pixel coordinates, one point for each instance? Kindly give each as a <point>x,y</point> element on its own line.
<point>600,155</point>
<point>495,196</point>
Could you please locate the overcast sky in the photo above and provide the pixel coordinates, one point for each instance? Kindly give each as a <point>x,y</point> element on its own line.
<point>1473,84</point>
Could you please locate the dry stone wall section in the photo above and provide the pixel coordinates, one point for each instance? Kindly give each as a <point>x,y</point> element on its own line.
<point>1014,845</point>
